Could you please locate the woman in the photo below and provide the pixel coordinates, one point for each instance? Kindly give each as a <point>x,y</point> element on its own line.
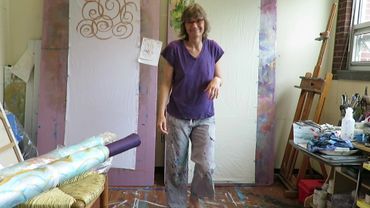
<point>191,79</point>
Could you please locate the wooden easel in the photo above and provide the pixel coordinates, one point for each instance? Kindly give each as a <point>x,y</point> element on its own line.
<point>310,86</point>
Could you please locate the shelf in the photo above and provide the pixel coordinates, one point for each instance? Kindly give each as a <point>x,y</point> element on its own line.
<point>366,166</point>
<point>362,204</point>
<point>354,180</point>
<point>361,147</point>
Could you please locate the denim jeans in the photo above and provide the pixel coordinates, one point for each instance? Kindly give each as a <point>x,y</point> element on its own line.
<point>201,133</point>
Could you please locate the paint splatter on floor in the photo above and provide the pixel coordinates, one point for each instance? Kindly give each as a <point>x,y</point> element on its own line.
<point>230,195</point>
<point>226,196</point>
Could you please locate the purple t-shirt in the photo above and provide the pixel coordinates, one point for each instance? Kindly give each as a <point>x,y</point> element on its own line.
<point>188,100</point>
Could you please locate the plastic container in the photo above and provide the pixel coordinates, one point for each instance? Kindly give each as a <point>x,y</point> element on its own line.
<point>306,188</point>
<point>348,125</point>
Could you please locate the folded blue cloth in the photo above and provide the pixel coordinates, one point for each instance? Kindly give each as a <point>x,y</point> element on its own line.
<point>328,141</point>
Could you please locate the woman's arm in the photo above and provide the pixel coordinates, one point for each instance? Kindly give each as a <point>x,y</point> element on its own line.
<point>213,88</point>
<point>165,86</point>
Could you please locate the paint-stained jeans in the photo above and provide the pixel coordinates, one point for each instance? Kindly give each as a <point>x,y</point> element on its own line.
<point>201,133</point>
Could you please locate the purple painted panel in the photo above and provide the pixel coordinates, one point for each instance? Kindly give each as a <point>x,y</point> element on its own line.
<point>55,30</point>
<point>265,161</point>
<point>52,99</point>
<point>53,76</point>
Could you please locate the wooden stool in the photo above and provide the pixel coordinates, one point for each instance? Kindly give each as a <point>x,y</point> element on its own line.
<point>90,190</point>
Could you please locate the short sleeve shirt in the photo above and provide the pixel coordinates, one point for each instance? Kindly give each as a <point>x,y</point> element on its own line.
<point>191,75</point>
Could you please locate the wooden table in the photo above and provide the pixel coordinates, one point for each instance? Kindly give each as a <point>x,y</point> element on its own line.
<point>361,203</point>
<point>362,147</point>
<point>339,161</point>
<point>333,160</point>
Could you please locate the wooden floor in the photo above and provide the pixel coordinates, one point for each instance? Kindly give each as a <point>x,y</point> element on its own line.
<point>226,196</point>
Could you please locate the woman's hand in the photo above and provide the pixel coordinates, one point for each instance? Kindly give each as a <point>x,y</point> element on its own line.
<point>213,88</point>
<point>162,124</point>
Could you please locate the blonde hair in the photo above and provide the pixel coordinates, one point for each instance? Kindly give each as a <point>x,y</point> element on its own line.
<point>193,11</point>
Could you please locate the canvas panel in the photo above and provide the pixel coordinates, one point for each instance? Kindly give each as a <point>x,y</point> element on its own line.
<point>103,72</point>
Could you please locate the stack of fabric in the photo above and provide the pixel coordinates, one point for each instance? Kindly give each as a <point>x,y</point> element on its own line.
<point>329,141</point>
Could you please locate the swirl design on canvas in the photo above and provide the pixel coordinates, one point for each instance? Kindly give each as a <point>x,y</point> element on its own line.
<point>105,19</point>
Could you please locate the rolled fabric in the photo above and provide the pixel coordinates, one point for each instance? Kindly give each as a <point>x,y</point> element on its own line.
<point>25,184</point>
<point>56,154</point>
<point>119,146</point>
<point>19,188</point>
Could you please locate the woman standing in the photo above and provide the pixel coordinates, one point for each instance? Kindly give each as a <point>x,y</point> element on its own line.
<point>191,79</point>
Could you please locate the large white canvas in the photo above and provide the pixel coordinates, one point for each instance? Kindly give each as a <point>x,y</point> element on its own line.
<point>103,73</point>
<point>237,31</point>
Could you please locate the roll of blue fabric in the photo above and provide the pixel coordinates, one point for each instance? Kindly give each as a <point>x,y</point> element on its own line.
<point>119,146</point>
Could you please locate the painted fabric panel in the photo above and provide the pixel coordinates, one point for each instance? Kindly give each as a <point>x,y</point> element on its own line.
<point>103,72</point>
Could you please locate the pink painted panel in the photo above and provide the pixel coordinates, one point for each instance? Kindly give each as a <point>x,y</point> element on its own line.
<point>52,99</point>
<point>55,30</point>
<point>265,156</point>
<point>53,76</point>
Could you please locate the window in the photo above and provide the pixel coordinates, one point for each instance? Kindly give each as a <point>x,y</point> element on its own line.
<point>351,58</point>
<point>360,38</point>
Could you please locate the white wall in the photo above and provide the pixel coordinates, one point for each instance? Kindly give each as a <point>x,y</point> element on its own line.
<point>299,22</point>
<point>4,12</point>
<point>22,22</point>
<point>331,112</point>
<point>25,23</point>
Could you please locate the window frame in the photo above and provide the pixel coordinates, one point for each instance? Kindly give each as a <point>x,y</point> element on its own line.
<point>357,29</point>
<point>352,71</point>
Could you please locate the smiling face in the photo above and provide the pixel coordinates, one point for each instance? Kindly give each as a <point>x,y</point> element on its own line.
<point>194,22</point>
<point>194,28</point>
